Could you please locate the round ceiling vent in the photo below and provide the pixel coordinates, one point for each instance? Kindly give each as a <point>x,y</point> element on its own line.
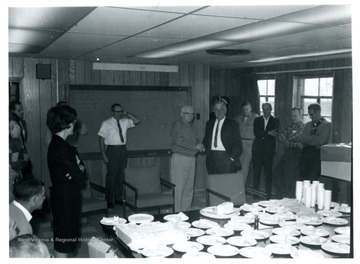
<point>228,52</point>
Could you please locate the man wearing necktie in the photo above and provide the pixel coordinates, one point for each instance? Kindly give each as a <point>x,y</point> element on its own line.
<point>112,140</point>
<point>222,142</point>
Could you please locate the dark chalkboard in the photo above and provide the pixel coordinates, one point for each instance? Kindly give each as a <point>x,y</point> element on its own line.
<point>155,107</point>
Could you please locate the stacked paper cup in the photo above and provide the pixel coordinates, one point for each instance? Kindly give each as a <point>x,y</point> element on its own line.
<point>320,196</point>
<point>313,194</point>
<point>307,196</point>
<point>306,183</point>
<point>299,191</point>
<point>327,200</point>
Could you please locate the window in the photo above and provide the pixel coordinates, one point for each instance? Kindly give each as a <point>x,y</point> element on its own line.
<point>316,90</point>
<point>267,93</point>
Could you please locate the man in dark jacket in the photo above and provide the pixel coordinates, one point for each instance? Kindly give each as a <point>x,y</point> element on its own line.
<point>222,142</point>
<point>263,149</point>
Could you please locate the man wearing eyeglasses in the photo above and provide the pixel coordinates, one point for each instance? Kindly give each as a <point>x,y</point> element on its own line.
<point>184,146</point>
<point>316,133</point>
<point>112,140</point>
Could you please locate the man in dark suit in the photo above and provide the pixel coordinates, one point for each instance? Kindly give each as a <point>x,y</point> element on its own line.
<point>222,142</point>
<point>263,149</point>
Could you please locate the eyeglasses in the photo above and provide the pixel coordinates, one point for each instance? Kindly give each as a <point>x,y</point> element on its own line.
<point>185,113</point>
<point>118,112</point>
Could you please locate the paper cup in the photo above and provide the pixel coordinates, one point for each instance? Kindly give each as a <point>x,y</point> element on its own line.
<point>327,200</point>
<point>299,191</point>
<point>308,196</point>
<point>320,198</point>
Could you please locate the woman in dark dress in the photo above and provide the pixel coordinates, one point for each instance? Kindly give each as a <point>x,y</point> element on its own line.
<point>67,174</point>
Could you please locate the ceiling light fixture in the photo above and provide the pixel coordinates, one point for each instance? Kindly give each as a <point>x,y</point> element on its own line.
<point>300,56</point>
<point>228,52</point>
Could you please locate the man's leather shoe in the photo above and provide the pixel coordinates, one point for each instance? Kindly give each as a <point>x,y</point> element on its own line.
<point>110,205</point>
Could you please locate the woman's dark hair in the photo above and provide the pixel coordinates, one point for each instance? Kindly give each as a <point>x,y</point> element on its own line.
<point>60,118</point>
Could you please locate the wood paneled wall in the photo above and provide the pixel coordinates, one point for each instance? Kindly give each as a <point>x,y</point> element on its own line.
<point>38,96</point>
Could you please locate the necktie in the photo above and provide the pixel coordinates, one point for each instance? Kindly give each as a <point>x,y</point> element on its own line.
<point>120,132</point>
<point>216,134</point>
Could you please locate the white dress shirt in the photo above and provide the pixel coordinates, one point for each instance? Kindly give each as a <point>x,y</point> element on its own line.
<point>220,146</point>
<point>110,131</point>
<point>266,121</point>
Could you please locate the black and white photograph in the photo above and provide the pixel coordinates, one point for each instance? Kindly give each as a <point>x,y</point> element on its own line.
<point>213,130</point>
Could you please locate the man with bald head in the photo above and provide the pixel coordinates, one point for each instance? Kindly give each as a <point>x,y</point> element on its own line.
<point>184,146</point>
<point>222,142</point>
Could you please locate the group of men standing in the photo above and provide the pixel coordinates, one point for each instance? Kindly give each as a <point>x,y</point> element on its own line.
<point>231,145</point>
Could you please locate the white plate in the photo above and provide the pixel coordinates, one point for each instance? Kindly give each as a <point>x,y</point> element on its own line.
<point>162,251</point>
<point>336,248</point>
<point>223,250</point>
<point>341,239</point>
<point>204,223</point>
<point>241,241</point>
<point>307,220</point>
<point>211,212</point>
<point>237,226</point>
<point>280,249</point>
<point>305,254</point>
<point>202,255</point>
<point>176,217</point>
<point>329,213</point>
<point>343,230</point>
<point>249,218</point>
<point>188,246</point>
<point>255,234</point>
<point>140,218</point>
<point>183,225</point>
<point>273,203</point>
<point>313,240</point>
<point>284,239</point>
<point>287,216</point>
<point>255,252</point>
<point>194,232</point>
<point>295,225</point>
<point>290,231</point>
<point>219,231</point>
<point>110,221</point>
<point>335,221</point>
<point>271,220</point>
<point>275,209</point>
<point>251,208</point>
<point>345,209</point>
<point>210,240</point>
<point>312,231</point>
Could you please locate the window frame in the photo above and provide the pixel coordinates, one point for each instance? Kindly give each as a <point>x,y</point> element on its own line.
<point>267,96</point>
<point>299,89</point>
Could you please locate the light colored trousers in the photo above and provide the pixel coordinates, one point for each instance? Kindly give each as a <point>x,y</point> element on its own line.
<point>182,174</point>
<point>245,157</point>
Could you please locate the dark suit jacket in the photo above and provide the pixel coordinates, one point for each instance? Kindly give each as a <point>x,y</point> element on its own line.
<point>230,137</point>
<point>263,141</point>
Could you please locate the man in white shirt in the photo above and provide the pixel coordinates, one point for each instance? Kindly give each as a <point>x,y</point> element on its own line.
<point>222,142</point>
<point>112,140</point>
<point>29,196</point>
